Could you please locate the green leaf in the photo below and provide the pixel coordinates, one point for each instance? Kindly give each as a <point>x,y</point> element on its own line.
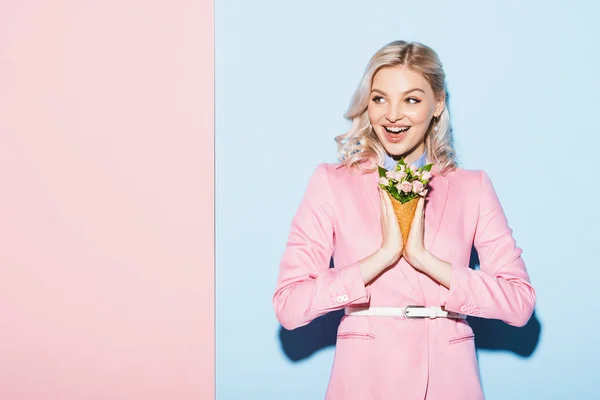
<point>409,197</point>
<point>382,171</point>
<point>427,167</point>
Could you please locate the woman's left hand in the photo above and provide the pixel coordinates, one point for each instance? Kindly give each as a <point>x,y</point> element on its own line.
<point>414,249</point>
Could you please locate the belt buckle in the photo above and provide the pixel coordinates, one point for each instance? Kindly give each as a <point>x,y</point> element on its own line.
<point>406,314</point>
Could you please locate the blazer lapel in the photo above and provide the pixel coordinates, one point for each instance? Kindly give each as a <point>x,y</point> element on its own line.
<point>435,205</point>
<point>370,190</point>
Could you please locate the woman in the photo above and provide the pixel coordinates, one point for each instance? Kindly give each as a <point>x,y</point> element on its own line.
<point>404,334</point>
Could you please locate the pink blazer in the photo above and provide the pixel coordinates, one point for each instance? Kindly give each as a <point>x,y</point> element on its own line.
<point>385,358</point>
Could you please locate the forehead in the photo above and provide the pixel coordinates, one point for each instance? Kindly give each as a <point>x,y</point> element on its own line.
<point>397,79</point>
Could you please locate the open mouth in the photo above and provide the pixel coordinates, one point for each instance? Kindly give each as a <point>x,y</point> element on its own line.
<point>395,134</point>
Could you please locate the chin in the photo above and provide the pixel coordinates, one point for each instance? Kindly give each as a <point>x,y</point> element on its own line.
<point>397,149</point>
<point>402,148</point>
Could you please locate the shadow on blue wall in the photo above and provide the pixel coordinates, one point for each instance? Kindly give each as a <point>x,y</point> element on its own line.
<point>321,333</point>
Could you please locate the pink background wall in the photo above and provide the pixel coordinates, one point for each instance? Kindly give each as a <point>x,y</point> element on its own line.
<point>106,200</point>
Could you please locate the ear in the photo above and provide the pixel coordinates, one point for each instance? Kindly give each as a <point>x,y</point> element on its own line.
<point>439,106</point>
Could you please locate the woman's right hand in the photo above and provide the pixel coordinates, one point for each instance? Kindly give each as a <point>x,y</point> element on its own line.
<point>391,244</point>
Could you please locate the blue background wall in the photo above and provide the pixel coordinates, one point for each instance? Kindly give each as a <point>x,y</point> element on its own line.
<point>524,103</point>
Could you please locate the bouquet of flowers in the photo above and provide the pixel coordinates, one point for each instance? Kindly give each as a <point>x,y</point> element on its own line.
<point>404,186</point>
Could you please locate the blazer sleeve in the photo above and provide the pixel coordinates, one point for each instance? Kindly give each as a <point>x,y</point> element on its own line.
<point>501,288</point>
<point>306,287</point>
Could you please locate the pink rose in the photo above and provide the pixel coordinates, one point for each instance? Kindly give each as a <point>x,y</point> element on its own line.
<point>413,168</point>
<point>417,187</point>
<point>426,176</point>
<point>383,181</point>
<point>390,174</point>
<point>399,175</point>
<point>401,168</point>
<point>406,187</point>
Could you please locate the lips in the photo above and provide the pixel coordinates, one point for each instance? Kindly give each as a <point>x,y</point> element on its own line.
<point>395,134</point>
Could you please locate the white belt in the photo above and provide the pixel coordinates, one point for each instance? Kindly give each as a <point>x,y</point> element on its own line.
<point>406,312</point>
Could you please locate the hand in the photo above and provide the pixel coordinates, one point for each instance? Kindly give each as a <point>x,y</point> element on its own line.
<point>391,244</point>
<point>414,251</point>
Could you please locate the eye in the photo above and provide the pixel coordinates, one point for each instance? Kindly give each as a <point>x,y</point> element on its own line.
<point>377,99</point>
<point>414,101</point>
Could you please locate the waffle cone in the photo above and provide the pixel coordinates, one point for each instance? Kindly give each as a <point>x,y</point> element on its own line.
<point>405,214</point>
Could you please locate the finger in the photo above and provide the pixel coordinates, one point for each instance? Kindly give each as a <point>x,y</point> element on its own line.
<point>386,198</point>
<point>391,214</point>
<point>419,215</point>
<point>386,201</point>
<point>384,210</point>
<point>381,201</point>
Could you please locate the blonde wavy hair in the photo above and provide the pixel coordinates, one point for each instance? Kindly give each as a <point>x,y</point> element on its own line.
<point>361,144</point>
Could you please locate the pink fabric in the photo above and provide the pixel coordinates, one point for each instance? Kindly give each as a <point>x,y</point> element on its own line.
<point>392,357</point>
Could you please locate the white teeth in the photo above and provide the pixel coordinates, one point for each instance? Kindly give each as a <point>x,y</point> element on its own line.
<point>397,129</point>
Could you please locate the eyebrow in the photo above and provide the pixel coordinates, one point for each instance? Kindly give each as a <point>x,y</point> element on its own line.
<point>403,93</point>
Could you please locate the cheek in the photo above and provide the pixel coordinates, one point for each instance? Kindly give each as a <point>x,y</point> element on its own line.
<point>419,115</point>
<point>374,114</point>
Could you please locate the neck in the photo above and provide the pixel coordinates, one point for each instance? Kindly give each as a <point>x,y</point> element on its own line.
<point>412,155</point>
<point>390,163</point>
<point>409,159</point>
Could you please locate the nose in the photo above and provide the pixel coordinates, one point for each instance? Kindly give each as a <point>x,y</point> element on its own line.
<point>394,113</point>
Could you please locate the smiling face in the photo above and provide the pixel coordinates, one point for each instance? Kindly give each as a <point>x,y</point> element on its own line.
<point>401,106</point>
